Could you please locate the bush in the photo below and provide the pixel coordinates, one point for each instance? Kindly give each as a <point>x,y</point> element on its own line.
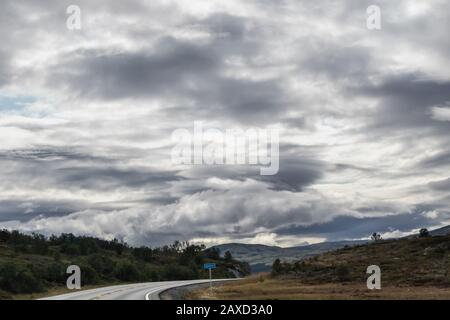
<point>70,249</point>
<point>88,275</point>
<point>143,253</point>
<point>126,271</point>
<point>40,245</point>
<point>175,272</point>
<point>423,233</point>
<point>343,273</point>
<point>102,264</point>
<point>151,273</point>
<point>54,272</point>
<point>17,280</point>
<point>376,236</point>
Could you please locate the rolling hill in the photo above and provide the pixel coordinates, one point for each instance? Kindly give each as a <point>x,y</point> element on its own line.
<point>405,261</point>
<point>411,268</point>
<point>260,257</point>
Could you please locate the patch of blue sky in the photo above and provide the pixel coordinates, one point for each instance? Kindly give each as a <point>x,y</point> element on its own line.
<point>18,105</point>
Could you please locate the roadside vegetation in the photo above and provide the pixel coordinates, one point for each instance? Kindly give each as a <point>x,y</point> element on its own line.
<point>36,264</point>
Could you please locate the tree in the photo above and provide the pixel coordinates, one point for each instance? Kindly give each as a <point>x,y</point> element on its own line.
<point>126,271</point>
<point>424,233</point>
<point>101,263</point>
<point>40,245</point>
<point>277,268</point>
<point>376,236</point>
<point>18,279</point>
<point>213,253</point>
<point>228,257</point>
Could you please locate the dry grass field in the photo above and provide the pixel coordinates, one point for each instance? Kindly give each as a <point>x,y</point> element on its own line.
<point>266,288</point>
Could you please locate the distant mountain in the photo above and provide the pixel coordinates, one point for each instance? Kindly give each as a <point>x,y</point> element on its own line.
<point>260,257</point>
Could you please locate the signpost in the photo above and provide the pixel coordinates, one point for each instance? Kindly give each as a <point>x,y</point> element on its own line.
<point>209,266</point>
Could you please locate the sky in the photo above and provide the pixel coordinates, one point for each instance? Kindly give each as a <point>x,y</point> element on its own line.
<point>86,118</point>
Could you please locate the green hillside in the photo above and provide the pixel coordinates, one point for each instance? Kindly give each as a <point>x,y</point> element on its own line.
<point>34,263</point>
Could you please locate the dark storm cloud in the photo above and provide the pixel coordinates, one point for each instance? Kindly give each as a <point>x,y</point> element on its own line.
<point>86,172</point>
<point>405,102</point>
<point>180,70</point>
<point>295,173</point>
<point>347,227</point>
<point>172,67</point>
<point>50,154</point>
<point>26,209</point>
<point>109,178</point>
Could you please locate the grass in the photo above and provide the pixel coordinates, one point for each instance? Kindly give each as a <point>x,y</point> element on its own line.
<point>292,289</point>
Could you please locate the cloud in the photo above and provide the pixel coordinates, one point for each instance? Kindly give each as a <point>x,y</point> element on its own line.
<point>406,100</point>
<point>350,227</point>
<point>440,185</point>
<point>86,118</point>
<point>441,112</point>
<point>236,212</point>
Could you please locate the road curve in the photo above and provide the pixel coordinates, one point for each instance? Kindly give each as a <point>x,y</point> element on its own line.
<point>136,291</point>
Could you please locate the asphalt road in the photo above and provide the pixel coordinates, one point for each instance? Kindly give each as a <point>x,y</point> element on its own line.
<point>137,291</point>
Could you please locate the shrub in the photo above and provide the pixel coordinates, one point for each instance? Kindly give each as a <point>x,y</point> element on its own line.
<point>102,264</point>
<point>423,233</point>
<point>277,268</point>
<point>53,272</point>
<point>17,280</point>
<point>175,272</point>
<point>88,275</point>
<point>70,249</point>
<point>343,273</point>
<point>126,271</point>
<point>376,236</point>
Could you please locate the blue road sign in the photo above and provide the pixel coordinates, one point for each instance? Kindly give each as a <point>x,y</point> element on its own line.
<point>209,266</point>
